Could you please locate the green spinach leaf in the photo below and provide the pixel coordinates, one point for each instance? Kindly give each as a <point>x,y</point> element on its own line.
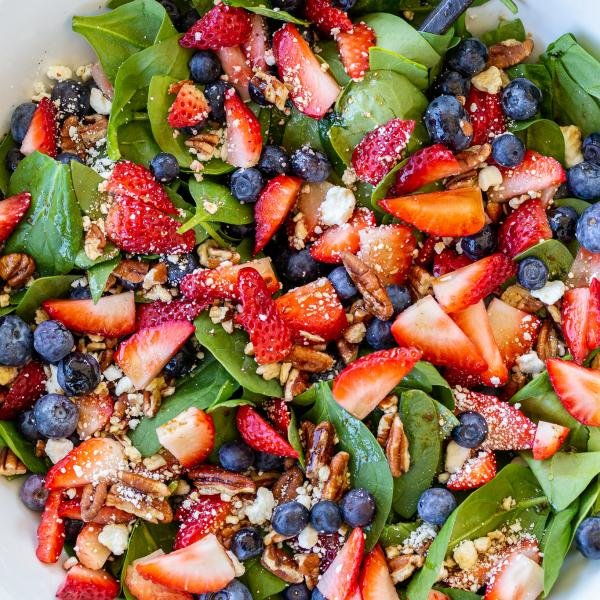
<point>136,142</point>
<point>85,186</point>
<point>42,289</point>
<point>300,130</point>
<point>542,135</point>
<point>261,7</point>
<point>330,54</point>
<point>23,449</point>
<point>393,535</point>
<point>223,415</point>
<point>384,59</point>
<point>425,377</point>
<point>6,145</point>
<point>555,255</point>
<point>261,583</point>
<point>506,30</point>
<point>98,276</point>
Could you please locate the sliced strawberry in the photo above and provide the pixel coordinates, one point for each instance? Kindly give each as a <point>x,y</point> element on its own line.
<point>190,107</point>
<point>327,18</point>
<point>577,388</point>
<point>309,204</point>
<point>198,568</point>
<point>143,355</point>
<point>71,509</point>
<point>86,584</point>
<point>51,530</point>
<point>90,552</point>
<point>517,577</point>
<point>574,322</point>
<point>448,260</point>
<point>523,228</point>
<point>260,435</point>
<point>28,386</point>
<point>388,250</point>
<point>476,472</point>
<point>468,285</point>
<point>206,515</point>
<point>363,384</point>
<point>549,437</point>
<point>144,589</point>
<point>12,210</point>
<point>354,593</point>
<point>95,411</point>
<point>375,579</point>
<point>111,316</point>
<point>279,413</point>
<point>427,253</point>
<point>313,90</point>
<point>487,117</point>
<point>353,47</point>
<point>43,130</point>
<point>423,167</point>
<point>257,45</point>
<point>237,69</point>
<point>381,149</point>
<point>189,437</point>
<point>222,26</point>
<point>342,574</point>
<point>427,327</point>
<point>244,139</point>
<point>157,312</point>
<point>593,319</point>
<point>585,267</point>
<point>515,331</point>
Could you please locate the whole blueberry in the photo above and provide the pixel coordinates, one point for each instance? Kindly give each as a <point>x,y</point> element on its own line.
<point>342,283</point>
<point>587,231</point>
<point>480,244</point>
<point>13,158</point>
<point>297,591</point>
<point>236,456</point>
<point>532,273</point>
<point>316,595</point>
<point>302,268</point>
<point>164,167</point>
<point>78,373</point>
<point>379,334</point>
<point>399,297</point>
<point>326,517</point>
<point>436,505</point>
<point>508,150</point>
<point>55,416</point>
<point>205,66</point>
<point>26,423</point>
<point>452,83</point>
<point>584,180</point>
<point>20,121</point>
<point>448,123</point>
<point>563,221</point>
<point>215,96</point>
<point>247,543</point>
<point>289,518</point>
<point>521,99</point>
<point>591,148</point>
<point>358,507</point>
<point>468,57</point>
<point>52,341</point>
<point>80,292</point>
<point>16,341</point>
<point>33,494</point>
<point>587,538</point>
<point>66,158</point>
<point>179,266</point>
<point>290,6</point>
<point>181,363</point>
<point>72,529</point>
<point>471,431</point>
<point>238,232</point>
<point>268,462</point>
<point>256,90</point>
<point>246,184</point>
<point>274,160</point>
<point>235,590</point>
<point>310,164</point>
<point>72,97</point>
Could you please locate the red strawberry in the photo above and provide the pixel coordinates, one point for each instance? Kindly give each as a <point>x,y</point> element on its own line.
<point>585,267</point>
<point>244,139</point>
<point>111,316</point>
<point>327,18</point>
<point>257,45</point>
<point>476,472</point>
<point>144,589</point>
<point>524,227</point>
<point>468,285</point>
<point>29,385</point>
<point>549,437</point>
<point>388,249</point>
<point>375,580</point>
<point>95,411</point>
<point>259,434</point>
<point>363,384</point>
<point>143,356</point>
<point>222,26</point>
<point>12,210</point>
<point>574,322</point>
<point>190,107</point>
<point>381,149</point>
<point>354,593</point>
<point>427,327</point>
<point>157,312</point>
<point>353,47</point>
<point>309,204</point>
<point>274,204</point>
<point>577,388</point>
<point>593,320</point>
<point>90,552</point>
<point>43,130</point>
<point>487,117</point>
<point>130,179</point>
<point>189,437</point>
<point>206,515</point>
<point>278,411</point>
<point>51,530</point>
<point>237,69</point>
<point>448,260</point>
<point>516,577</point>
<point>424,166</point>
<point>71,509</point>
<point>313,90</point>
<point>86,584</point>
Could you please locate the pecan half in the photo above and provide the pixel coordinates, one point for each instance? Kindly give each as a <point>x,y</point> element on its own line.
<point>278,562</point>
<point>509,53</point>
<point>94,243</point>
<point>16,269</point>
<point>348,352</point>
<point>547,342</point>
<point>144,484</point>
<point>464,180</point>
<point>93,498</point>
<point>307,430</point>
<point>320,451</point>
<point>308,565</point>
<point>384,427</point>
<point>134,502</point>
<point>396,448</point>
<point>210,480</point>
<point>420,281</point>
<point>295,384</point>
<point>132,271</point>
<point>285,487</point>
<point>339,478</point>
<point>473,157</point>
<point>403,566</point>
<point>69,137</point>
<point>92,130</point>
<point>518,297</point>
<point>10,465</point>
<point>309,360</point>
<point>203,145</point>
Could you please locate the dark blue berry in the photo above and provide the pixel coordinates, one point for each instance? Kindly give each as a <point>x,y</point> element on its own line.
<point>471,430</point>
<point>358,508</point>
<point>238,232</point>
<point>588,229</point>
<point>289,518</point>
<point>310,164</point>
<point>80,292</point>
<point>290,6</point>
<point>186,20</point>
<point>235,590</point>
<point>205,67</point>
<point>584,180</point>
<point>72,529</point>
<point>16,341</point>
<point>297,591</point>
<point>78,373</point>
<point>247,543</point>
<point>399,297</point>
<point>180,266</point>
<point>508,150</point>
<point>468,57</point>
<point>215,96</point>
<point>532,273</point>
<point>13,158</point>
<point>587,538</point>
<point>316,595</point>
<point>436,505</point>
<point>379,334</point>
<point>66,158</point>
<point>55,416</point>
<point>181,363</point>
<point>343,284</point>
<point>448,123</point>
<point>563,221</point>
<point>26,422</point>
<point>72,97</point>
<point>246,184</point>
<point>52,341</point>
<point>268,462</point>
<point>33,494</point>
<point>452,83</point>
<point>256,90</point>
<point>480,244</point>
<point>326,517</point>
<point>20,121</point>
<point>521,99</point>
<point>236,456</point>
<point>302,268</point>
<point>274,160</point>
<point>164,167</point>
<point>591,148</point>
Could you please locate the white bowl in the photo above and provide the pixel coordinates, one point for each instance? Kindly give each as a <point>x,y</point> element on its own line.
<point>37,33</point>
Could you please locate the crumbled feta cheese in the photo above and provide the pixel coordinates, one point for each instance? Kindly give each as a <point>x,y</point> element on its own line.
<point>84,72</point>
<point>337,207</point>
<point>112,373</point>
<point>260,511</point>
<point>238,567</point>
<point>57,449</point>
<point>489,81</point>
<point>456,457</point>
<point>530,363</point>
<point>572,136</point>
<point>308,538</point>
<point>552,292</point>
<point>482,544</point>
<point>465,554</point>
<point>52,386</point>
<point>59,73</point>
<point>114,537</point>
<point>489,177</point>
<point>124,386</point>
<point>99,102</point>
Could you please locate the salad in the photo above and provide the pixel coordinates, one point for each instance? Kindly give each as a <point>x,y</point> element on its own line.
<point>302,300</point>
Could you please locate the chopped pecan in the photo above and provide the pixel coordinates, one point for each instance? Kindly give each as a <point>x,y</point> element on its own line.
<point>175,87</point>
<point>157,275</point>
<point>355,333</point>
<point>287,484</point>
<point>212,255</point>
<point>70,141</point>
<point>358,313</point>
<point>403,566</point>
<point>152,402</point>
<point>348,352</point>
<point>547,342</point>
<point>420,281</point>
<point>320,451</point>
<point>518,297</point>
<point>10,465</point>
<point>338,481</point>
<point>509,53</point>
<point>265,478</point>
<point>464,180</point>
<point>296,383</point>
<point>94,243</point>
<point>307,430</point>
<point>144,484</point>
<point>16,269</point>
<point>132,271</point>
<point>396,448</point>
<point>389,404</point>
<point>384,427</point>
<point>93,498</point>
<point>494,211</point>
<point>106,359</point>
<point>515,382</point>
<point>274,91</point>
<point>210,480</point>
<point>134,502</point>
<point>309,360</point>
<point>473,157</point>
<point>203,145</point>
<point>93,130</point>
<point>308,565</point>
<point>281,564</point>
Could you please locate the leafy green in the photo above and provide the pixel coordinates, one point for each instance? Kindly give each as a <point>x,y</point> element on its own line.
<point>542,135</point>
<point>6,145</point>
<point>330,54</point>
<point>392,535</point>
<point>506,30</point>
<point>555,255</point>
<point>98,276</point>
<point>23,449</point>
<point>260,7</point>
<point>393,6</point>
<point>85,185</point>
<point>136,142</point>
<point>382,58</point>
<point>439,42</point>
<point>576,203</point>
<point>425,377</point>
<point>300,130</point>
<point>261,583</point>
<point>223,415</point>
<point>42,289</point>
<point>456,594</point>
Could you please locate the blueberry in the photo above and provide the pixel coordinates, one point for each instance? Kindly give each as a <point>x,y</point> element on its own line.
<point>508,150</point>
<point>471,430</point>
<point>468,57</point>
<point>238,232</point>
<point>33,494</point>
<point>247,543</point>
<point>587,538</point>
<point>181,363</point>
<point>310,165</point>
<point>16,341</point>
<point>289,518</point>
<point>52,341</point>
<point>235,590</point>
<point>72,529</point>
<point>290,6</point>
<point>13,158</point>
<point>268,462</point>
<point>448,123</point>
<point>316,595</point>
<point>205,67</point>
<point>452,83</point>
<point>180,266</point>
<point>55,416</point>
<point>66,158</point>
<point>215,96</point>
<point>584,180</point>
<point>164,167</point>
<point>80,292</point>
<point>236,456</point>
<point>587,231</point>
<point>343,284</point>
<point>72,97</point>
<point>399,297</point>
<point>521,99</point>
<point>26,422</point>
<point>20,121</point>
<point>302,268</point>
<point>256,87</point>
<point>532,273</point>
<point>358,508</point>
<point>379,334</point>
<point>591,148</point>
<point>346,5</point>
<point>297,591</point>
<point>246,184</point>
<point>563,221</point>
<point>78,373</point>
<point>480,244</point>
<point>436,505</point>
<point>274,160</point>
<point>325,517</point>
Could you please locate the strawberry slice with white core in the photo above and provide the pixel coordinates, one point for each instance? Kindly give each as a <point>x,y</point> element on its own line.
<point>244,139</point>
<point>90,552</point>
<point>363,384</point>
<point>51,530</point>
<point>593,320</point>
<point>574,321</point>
<point>256,47</point>
<point>518,577</point>
<point>549,437</point>
<point>12,210</point>
<point>585,267</point>
<point>353,47</point>
<point>476,471</point>
<point>82,583</point>
<point>144,589</point>
<point>95,411</point>
<point>375,579</point>
<point>237,69</point>
<point>143,356</point>
<point>43,130</point>
<point>309,203</point>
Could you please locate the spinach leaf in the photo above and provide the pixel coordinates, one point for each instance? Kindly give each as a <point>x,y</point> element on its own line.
<point>136,142</point>
<point>223,415</point>
<point>52,232</point>
<point>6,145</point>
<point>23,449</point>
<point>381,189</point>
<point>263,8</point>
<point>330,54</point>
<point>425,377</point>
<point>42,289</point>
<point>439,42</point>
<point>85,185</point>
<point>393,6</point>
<point>98,276</point>
<point>456,594</point>
<point>576,203</point>
<point>542,135</point>
<point>261,583</point>
<point>382,58</point>
<point>392,535</point>
<point>300,130</point>
<point>293,436</point>
<point>506,30</point>
<point>555,255</point>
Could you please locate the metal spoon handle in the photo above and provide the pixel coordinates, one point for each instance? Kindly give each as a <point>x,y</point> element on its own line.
<point>443,15</point>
